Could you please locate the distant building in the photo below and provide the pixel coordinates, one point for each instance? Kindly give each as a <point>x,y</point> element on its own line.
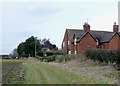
<point>119,15</point>
<point>75,41</point>
<point>45,50</point>
<point>4,56</point>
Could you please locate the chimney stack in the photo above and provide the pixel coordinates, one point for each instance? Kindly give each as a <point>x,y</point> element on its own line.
<point>86,27</point>
<point>115,27</point>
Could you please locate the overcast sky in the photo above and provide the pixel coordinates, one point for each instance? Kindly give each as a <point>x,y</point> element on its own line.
<point>20,20</point>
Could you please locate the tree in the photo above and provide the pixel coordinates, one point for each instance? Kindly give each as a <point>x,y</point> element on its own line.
<point>14,53</point>
<point>54,46</point>
<point>28,47</point>
<point>49,45</point>
<point>43,41</point>
<point>21,48</point>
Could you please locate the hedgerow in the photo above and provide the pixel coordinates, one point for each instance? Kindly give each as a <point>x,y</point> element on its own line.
<point>112,56</point>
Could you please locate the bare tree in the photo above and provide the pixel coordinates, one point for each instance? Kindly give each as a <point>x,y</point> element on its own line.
<point>14,53</point>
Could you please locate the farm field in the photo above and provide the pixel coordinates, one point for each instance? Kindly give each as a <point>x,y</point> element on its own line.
<point>12,72</point>
<point>37,72</point>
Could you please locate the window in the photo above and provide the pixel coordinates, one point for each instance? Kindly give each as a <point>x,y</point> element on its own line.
<point>69,52</point>
<point>68,42</point>
<point>97,43</point>
<point>75,41</point>
<point>63,44</point>
<point>75,52</point>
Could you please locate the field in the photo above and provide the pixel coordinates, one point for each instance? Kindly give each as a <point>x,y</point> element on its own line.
<point>32,71</point>
<point>46,73</point>
<point>95,70</point>
<point>12,72</point>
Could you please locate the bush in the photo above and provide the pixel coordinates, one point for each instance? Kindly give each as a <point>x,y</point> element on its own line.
<point>103,55</point>
<point>6,57</point>
<point>50,58</point>
<point>59,58</point>
<point>49,53</point>
<point>62,58</point>
<point>58,52</point>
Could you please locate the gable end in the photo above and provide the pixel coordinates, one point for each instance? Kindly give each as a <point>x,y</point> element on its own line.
<point>85,35</point>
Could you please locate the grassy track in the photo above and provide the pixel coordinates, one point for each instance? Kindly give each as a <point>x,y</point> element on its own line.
<point>37,72</point>
<point>44,73</point>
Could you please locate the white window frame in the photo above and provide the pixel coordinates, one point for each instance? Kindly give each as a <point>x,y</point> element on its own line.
<point>69,52</point>
<point>68,42</point>
<point>75,52</point>
<point>97,43</point>
<point>75,41</point>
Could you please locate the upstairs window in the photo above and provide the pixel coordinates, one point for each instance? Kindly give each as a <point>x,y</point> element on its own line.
<point>68,42</point>
<point>75,41</point>
<point>97,43</point>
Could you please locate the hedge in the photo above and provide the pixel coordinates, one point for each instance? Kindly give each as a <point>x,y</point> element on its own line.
<point>102,55</point>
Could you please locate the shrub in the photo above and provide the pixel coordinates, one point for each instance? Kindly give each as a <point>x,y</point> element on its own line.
<point>49,53</point>
<point>59,58</point>
<point>50,58</point>
<point>58,52</point>
<point>103,55</point>
<point>6,57</point>
<point>62,58</point>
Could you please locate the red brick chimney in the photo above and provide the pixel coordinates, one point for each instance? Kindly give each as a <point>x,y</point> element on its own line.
<point>86,27</point>
<point>115,27</point>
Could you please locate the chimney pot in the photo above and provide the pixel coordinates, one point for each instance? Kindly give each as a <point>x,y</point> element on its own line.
<point>86,27</point>
<point>115,27</point>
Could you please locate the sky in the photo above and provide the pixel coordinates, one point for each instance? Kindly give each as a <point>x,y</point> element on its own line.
<point>44,19</point>
<point>119,14</point>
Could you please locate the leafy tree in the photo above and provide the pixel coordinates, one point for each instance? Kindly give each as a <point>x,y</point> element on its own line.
<point>54,46</point>
<point>49,45</point>
<point>28,47</point>
<point>21,48</point>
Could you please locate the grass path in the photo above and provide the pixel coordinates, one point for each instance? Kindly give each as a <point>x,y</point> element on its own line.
<point>44,73</point>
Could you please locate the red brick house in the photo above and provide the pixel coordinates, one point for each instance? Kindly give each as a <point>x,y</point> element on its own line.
<point>76,41</point>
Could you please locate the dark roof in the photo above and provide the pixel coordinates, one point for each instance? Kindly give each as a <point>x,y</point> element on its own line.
<point>102,36</point>
<point>4,55</point>
<point>76,32</point>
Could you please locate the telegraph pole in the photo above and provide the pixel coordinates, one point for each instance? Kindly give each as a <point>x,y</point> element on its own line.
<point>35,45</point>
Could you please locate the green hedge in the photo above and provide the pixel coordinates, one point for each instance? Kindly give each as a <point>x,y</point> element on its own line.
<point>51,58</point>
<point>63,58</point>
<point>49,53</point>
<point>102,55</point>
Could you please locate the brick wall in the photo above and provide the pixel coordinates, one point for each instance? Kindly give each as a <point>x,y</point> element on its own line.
<point>86,43</point>
<point>64,48</point>
<point>118,42</point>
<point>114,43</point>
<point>67,47</point>
<point>72,48</point>
<point>69,44</point>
